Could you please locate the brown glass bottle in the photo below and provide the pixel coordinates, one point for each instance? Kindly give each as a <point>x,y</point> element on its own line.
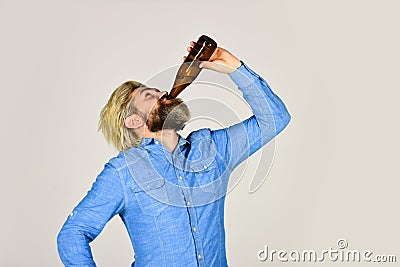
<point>190,69</point>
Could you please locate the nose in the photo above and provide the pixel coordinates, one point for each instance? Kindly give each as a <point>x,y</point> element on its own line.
<point>160,94</point>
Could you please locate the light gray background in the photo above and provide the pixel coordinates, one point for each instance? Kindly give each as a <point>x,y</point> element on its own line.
<point>334,63</point>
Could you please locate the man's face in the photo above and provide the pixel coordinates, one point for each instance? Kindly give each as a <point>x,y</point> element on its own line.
<point>158,112</point>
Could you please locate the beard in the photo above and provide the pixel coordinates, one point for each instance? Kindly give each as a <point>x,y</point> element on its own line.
<point>168,116</point>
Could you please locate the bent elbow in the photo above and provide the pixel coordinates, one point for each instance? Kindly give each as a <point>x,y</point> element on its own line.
<point>62,239</point>
<point>283,123</point>
<point>288,117</point>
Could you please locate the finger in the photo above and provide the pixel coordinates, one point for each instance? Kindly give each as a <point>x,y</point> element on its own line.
<point>192,43</point>
<point>189,49</point>
<point>184,58</point>
<point>204,64</point>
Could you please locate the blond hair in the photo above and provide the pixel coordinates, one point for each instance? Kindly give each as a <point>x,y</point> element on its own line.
<point>113,114</point>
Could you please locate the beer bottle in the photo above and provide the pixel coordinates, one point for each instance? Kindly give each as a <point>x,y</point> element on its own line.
<point>190,69</point>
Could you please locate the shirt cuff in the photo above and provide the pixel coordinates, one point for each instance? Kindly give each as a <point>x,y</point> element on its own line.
<point>243,76</point>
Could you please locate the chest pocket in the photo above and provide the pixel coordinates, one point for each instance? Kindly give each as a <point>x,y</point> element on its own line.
<point>208,184</point>
<point>152,197</point>
<point>207,177</point>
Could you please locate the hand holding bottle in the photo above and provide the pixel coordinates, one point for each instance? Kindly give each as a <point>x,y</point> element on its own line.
<point>221,60</point>
<point>202,54</point>
<point>190,69</point>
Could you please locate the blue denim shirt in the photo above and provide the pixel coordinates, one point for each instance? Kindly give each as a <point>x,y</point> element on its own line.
<point>172,203</point>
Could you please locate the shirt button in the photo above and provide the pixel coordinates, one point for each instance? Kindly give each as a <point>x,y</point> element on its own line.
<point>156,142</point>
<point>180,177</point>
<point>194,229</point>
<point>205,167</point>
<point>199,256</point>
<point>188,203</point>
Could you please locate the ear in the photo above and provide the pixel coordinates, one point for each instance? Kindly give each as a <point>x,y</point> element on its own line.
<point>134,121</point>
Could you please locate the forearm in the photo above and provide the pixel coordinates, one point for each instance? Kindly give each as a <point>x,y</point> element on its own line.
<point>73,247</point>
<point>269,110</point>
<point>103,201</point>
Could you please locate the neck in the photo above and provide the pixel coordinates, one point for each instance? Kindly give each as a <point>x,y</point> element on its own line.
<point>169,138</point>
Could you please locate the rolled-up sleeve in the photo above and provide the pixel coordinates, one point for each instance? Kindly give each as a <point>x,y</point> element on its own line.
<point>104,200</point>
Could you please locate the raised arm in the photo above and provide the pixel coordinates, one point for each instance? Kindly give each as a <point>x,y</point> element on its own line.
<point>241,140</point>
<point>86,221</point>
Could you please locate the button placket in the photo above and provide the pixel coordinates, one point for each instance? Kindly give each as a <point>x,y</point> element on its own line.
<point>186,194</point>
<point>196,235</point>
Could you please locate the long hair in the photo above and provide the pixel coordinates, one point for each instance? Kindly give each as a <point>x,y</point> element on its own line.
<point>113,114</point>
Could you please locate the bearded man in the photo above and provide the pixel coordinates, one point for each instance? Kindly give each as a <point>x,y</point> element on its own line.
<point>168,190</point>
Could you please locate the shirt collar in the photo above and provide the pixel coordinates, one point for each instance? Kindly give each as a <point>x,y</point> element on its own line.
<point>151,141</point>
